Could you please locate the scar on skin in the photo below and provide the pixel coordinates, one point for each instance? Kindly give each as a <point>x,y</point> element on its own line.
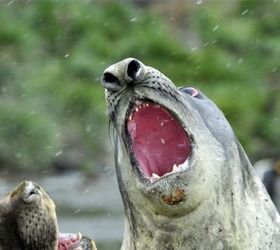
<point>174,198</point>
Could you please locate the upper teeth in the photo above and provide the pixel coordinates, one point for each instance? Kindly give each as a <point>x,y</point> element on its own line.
<point>175,168</point>
<point>140,105</point>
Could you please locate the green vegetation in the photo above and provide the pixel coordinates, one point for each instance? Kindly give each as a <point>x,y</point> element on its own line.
<point>52,54</point>
<point>242,69</point>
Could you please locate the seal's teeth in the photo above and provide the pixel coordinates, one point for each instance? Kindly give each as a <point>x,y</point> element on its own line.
<point>130,117</point>
<point>155,176</point>
<point>184,165</point>
<point>176,168</point>
<point>147,104</point>
<point>137,109</point>
<point>79,236</point>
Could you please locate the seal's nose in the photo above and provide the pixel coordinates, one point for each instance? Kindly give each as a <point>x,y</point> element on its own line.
<point>111,82</point>
<point>118,75</point>
<point>133,69</point>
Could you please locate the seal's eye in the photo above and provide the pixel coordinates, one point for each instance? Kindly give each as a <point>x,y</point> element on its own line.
<point>191,91</point>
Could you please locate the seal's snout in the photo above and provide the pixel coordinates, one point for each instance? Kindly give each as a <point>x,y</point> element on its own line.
<point>30,192</point>
<point>118,75</point>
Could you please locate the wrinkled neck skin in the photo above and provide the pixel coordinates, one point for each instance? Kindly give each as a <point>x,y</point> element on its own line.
<point>216,203</point>
<point>236,214</point>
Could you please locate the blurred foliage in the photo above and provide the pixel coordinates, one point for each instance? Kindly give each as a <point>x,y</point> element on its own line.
<point>52,54</point>
<point>242,69</point>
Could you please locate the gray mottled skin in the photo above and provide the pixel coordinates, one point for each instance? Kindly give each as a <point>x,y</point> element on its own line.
<point>224,204</point>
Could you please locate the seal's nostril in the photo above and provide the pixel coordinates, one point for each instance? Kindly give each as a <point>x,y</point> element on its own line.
<point>111,82</point>
<point>109,78</point>
<point>133,69</point>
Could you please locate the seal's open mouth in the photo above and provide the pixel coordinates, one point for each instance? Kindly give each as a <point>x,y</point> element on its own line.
<point>159,142</point>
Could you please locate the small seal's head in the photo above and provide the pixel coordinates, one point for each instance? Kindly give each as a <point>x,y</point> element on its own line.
<point>169,142</point>
<point>34,215</point>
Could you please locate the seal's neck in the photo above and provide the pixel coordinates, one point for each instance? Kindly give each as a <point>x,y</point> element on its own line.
<point>224,221</point>
<point>204,226</point>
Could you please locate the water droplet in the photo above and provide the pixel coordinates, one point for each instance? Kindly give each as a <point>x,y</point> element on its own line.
<point>77,211</point>
<point>88,129</point>
<point>66,55</point>
<point>10,3</point>
<point>199,2</point>
<point>86,191</point>
<point>18,155</point>
<point>244,12</point>
<point>3,90</point>
<point>133,19</point>
<point>58,153</point>
<point>216,28</point>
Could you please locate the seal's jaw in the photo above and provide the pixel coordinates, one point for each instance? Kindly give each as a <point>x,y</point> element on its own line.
<point>159,145</point>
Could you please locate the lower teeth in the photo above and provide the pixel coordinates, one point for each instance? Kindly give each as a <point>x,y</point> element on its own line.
<point>175,169</point>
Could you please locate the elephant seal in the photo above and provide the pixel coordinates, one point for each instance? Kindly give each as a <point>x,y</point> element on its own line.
<point>185,180</point>
<point>28,222</point>
<point>28,219</point>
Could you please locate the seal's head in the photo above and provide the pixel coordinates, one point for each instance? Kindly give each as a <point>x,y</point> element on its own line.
<point>185,180</point>
<point>33,212</point>
<point>28,221</point>
<point>169,150</point>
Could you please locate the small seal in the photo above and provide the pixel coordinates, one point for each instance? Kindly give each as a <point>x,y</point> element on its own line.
<point>28,222</point>
<point>185,180</point>
<point>28,219</point>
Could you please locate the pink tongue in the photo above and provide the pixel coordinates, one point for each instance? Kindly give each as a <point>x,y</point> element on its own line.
<point>69,241</point>
<point>158,140</point>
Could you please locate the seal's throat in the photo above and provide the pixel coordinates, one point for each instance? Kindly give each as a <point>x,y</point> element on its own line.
<point>159,143</point>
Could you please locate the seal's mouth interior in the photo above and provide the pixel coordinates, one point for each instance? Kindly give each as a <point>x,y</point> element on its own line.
<point>159,142</point>
<point>68,241</point>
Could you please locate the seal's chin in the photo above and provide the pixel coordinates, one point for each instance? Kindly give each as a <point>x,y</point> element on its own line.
<point>159,143</point>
